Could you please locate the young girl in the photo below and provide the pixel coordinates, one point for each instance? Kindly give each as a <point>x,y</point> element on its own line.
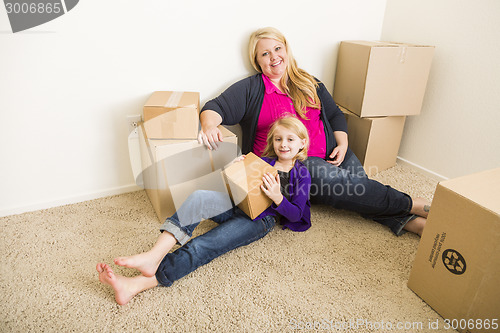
<point>287,144</point>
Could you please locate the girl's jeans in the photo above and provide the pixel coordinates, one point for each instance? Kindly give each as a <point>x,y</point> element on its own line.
<point>235,229</point>
<point>348,187</point>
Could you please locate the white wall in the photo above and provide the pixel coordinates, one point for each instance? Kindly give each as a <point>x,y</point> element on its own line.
<point>457,132</point>
<point>67,86</point>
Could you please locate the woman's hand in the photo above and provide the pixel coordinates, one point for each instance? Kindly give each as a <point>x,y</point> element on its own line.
<point>337,155</point>
<point>272,188</point>
<point>210,135</point>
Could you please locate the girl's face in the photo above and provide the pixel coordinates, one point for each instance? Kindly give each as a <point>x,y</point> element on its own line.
<point>286,144</point>
<point>272,57</point>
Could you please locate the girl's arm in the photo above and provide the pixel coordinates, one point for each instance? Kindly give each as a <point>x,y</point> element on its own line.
<point>293,210</point>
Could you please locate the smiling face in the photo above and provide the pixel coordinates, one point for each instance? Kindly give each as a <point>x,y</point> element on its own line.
<point>286,144</point>
<point>272,58</point>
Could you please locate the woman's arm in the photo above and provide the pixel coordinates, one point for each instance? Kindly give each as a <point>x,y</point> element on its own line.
<point>338,124</point>
<point>228,108</point>
<point>338,153</point>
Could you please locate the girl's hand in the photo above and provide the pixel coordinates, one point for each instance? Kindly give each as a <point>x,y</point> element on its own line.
<point>236,160</point>
<point>239,159</point>
<point>337,155</point>
<point>272,188</point>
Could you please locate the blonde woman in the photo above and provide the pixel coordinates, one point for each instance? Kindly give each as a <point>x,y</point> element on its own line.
<point>280,88</point>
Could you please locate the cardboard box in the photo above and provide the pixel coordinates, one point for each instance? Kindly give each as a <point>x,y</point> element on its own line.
<point>176,114</point>
<point>244,179</point>
<point>456,269</point>
<point>174,168</point>
<point>381,78</point>
<point>375,141</point>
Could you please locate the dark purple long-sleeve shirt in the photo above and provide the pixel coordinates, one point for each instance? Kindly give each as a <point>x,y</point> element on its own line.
<point>295,214</point>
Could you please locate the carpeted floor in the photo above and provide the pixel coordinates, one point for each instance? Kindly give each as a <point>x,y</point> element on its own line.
<point>345,271</point>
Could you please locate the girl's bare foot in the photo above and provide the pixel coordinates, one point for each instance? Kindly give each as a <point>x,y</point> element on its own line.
<point>125,288</point>
<point>420,207</point>
<point>416,225</point>
<point>146,263</point>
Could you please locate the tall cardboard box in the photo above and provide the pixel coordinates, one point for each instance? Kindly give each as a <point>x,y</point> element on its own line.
<point>174,168</point>
<point>244,179</point>
<point>457,266</point>
<point>375,140</point>
<point>382,78</point>
<point>176,114</point>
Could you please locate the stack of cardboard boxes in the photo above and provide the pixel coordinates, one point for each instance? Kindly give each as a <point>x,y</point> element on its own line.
<point>378,84</point>
<point>174,164</point>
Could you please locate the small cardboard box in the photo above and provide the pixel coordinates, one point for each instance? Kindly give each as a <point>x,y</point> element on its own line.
<point>176,114</point>
<point>457,266</point>
<point>244,179</point>
<point>174,168</point>
<point>381,78</point>
<point>375,141</point>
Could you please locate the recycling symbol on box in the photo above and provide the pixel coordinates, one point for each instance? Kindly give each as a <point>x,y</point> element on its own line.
<point>454,261</point>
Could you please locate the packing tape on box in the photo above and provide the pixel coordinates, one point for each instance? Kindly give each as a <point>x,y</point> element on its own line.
<point>174,99</point>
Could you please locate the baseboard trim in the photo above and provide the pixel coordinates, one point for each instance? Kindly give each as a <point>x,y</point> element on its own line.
<point>69,200</point>
<point>421,169</point>
<point>133,188</point>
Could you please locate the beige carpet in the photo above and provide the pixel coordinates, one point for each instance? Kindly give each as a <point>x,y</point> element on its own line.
<point>345,270</point>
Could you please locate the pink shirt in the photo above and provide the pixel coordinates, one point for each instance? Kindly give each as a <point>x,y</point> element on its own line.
<point>276,105</point>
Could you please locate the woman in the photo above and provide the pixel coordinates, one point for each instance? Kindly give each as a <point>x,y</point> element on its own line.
<point>281,88</point>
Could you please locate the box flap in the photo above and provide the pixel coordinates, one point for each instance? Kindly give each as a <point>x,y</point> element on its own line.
<point>377,43</point>
<point>173,99</point>
<point>482,188</point>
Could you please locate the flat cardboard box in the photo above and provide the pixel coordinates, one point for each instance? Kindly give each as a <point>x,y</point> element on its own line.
<point>176,114</point>
<point>382,78</point>
<point>375,141</point>
<point>456,269</point>
<point>174,168</point>
<point>244,179</point>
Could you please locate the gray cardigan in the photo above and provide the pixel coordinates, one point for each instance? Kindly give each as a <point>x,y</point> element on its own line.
<point>241,104</point>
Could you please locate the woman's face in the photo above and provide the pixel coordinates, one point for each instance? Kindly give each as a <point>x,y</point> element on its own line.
<point>272,57</point>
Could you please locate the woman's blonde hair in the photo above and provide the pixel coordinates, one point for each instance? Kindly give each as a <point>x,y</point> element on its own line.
<point>296,126</point>
<point>299,85</point>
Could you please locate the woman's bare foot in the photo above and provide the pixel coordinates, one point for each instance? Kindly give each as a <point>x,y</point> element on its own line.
<point>145,263</point>
<point>125,288</point>
<point>420,207</point>
<point>416,225</point>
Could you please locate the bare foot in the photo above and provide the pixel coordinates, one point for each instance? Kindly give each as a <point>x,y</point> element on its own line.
<point>144,262</point>
<point>420,207</point>
<point>147,262</point>
<point>125,288</point>
<point>416,225</point>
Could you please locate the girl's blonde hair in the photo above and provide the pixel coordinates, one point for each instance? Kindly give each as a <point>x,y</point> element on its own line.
<point>299,85</point>
<point>296,126</point>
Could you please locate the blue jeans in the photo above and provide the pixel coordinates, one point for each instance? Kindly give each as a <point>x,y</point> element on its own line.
<point>348,187</point>
<point>235,229</point>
